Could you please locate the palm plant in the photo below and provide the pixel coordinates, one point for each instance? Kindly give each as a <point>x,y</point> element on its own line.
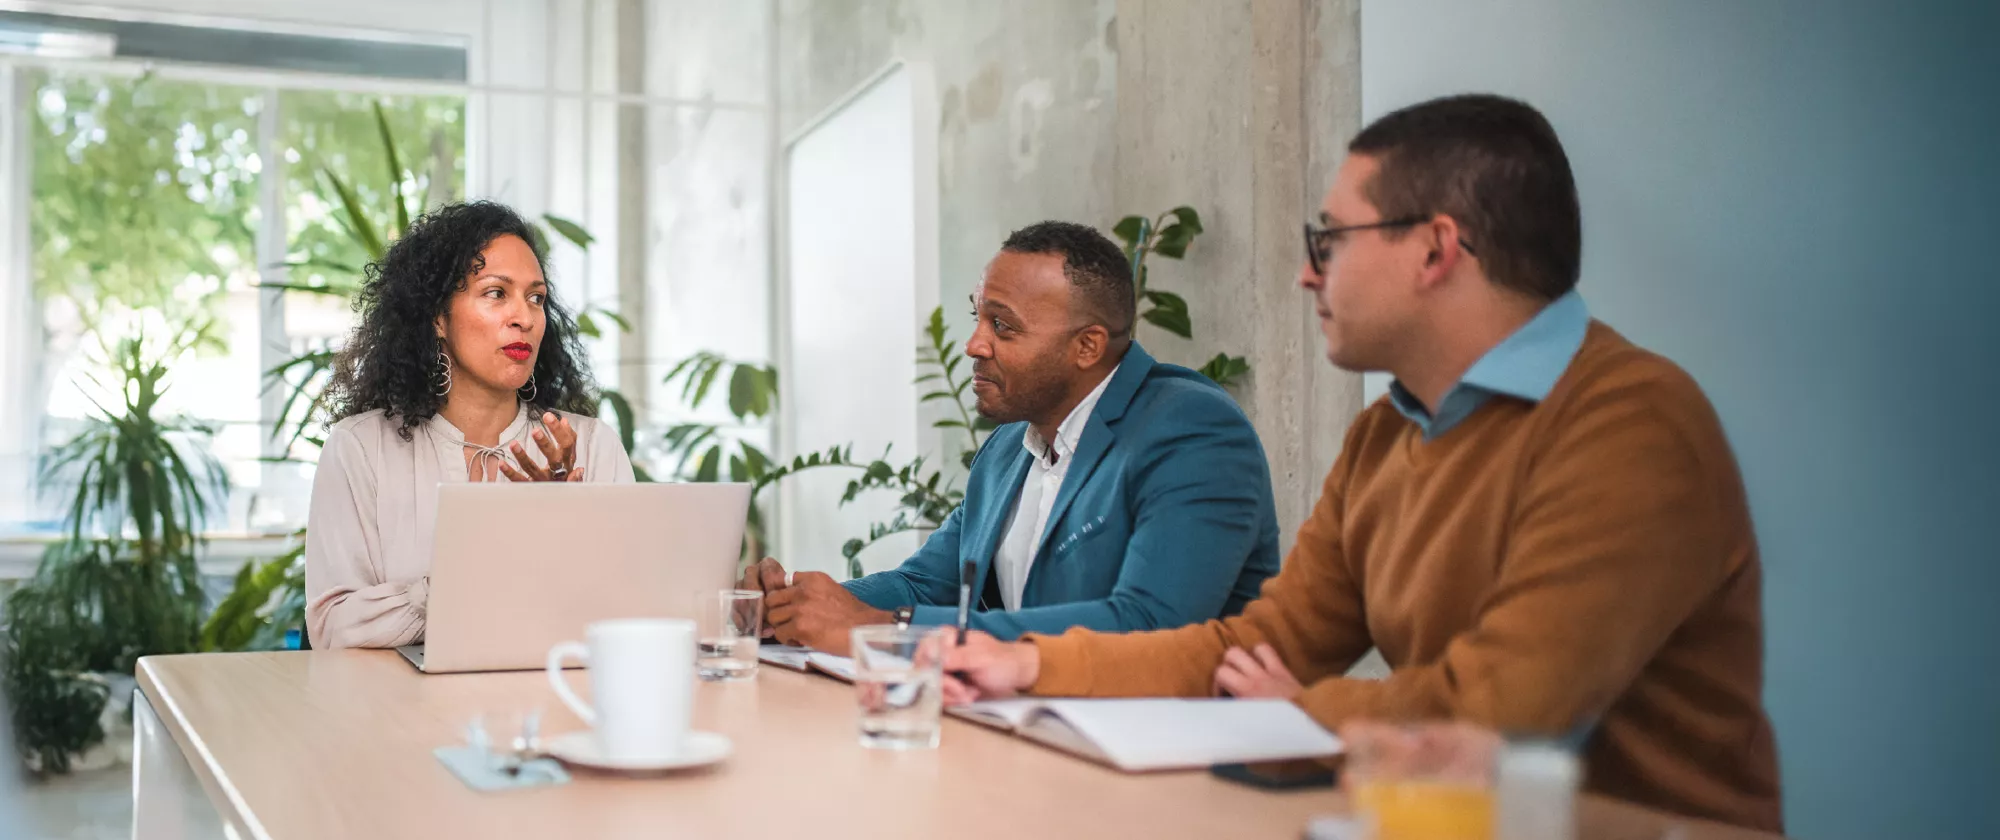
<point>123,582</point>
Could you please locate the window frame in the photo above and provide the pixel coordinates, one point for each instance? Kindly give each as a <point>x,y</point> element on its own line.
<point>270,250</point>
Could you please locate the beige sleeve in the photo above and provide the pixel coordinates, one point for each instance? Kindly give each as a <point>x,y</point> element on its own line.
<point>605,461</point>
<point>349,603</point>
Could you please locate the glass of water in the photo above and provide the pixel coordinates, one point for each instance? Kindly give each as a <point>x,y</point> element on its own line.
<point>899,681</point>
<point>726,626</point>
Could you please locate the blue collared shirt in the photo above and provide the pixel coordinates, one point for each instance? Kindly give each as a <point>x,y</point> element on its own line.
<point>1525,366</point>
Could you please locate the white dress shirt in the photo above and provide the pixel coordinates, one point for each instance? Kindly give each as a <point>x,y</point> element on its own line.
<point>1049,463</point>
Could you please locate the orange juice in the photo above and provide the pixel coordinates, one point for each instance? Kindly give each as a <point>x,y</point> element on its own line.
<point>1411,810</point>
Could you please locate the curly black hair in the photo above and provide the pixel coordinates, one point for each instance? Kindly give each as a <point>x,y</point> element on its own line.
<point>390,361</point>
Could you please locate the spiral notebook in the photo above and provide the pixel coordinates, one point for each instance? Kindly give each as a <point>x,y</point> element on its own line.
<point>1145,735</point>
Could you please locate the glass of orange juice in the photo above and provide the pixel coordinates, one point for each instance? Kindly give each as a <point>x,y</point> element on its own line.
<point>1421,781</point>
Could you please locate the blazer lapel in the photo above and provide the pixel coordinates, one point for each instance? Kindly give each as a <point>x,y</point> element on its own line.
<point>985,539</point>
<point>1090,449</point>
<point>1097,437</point>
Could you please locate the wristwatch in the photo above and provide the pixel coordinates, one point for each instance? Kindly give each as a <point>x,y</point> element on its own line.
<point>902,615</point>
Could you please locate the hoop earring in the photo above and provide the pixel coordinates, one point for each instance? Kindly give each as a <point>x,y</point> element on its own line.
<point>441,381</point>
<point>532,389</point>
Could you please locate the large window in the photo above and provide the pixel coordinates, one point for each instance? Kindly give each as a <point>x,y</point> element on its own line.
<point>153,203</point>
<point>175,181</point>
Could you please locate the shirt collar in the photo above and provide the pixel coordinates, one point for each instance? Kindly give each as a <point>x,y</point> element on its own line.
<point>1526,365</point>
<point>1070,433</point>
<point>513,431</point>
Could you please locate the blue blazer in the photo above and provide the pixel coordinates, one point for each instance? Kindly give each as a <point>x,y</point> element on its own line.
<point>1164,518</point>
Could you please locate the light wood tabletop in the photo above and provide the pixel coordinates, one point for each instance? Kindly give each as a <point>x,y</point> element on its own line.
<point>337,744</point>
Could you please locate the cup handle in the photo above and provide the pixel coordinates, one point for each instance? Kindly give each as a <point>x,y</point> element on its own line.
<point>561,684</point>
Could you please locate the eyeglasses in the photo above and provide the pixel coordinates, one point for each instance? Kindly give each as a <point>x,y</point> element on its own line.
<point>1319,240</point>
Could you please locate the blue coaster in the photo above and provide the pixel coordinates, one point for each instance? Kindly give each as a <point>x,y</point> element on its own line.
<point>479,770</point>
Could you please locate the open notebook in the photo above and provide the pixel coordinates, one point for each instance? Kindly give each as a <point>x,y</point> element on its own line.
<point>806,659</point>
<point>1160,733</point>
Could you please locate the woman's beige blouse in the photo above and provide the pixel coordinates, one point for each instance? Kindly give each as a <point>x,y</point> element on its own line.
<point>374,508</point>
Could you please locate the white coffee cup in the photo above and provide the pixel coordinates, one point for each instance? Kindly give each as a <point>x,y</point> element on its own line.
<point>642,677</point>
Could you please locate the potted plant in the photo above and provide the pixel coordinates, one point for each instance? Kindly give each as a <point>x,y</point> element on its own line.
<point>122,582</point>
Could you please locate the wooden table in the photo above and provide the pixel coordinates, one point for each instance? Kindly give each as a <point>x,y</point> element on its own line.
<point>337,744</point>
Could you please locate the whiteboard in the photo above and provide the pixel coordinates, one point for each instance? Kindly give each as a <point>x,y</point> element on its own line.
<point>859,276</point>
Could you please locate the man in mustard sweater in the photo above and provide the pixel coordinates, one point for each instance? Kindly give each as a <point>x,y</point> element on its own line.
<point>1542,526</point>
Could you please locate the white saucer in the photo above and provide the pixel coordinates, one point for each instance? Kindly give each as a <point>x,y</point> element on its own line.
<point>580,748</point>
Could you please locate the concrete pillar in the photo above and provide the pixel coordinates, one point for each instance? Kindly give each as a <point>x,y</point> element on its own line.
<point>1241,108</point>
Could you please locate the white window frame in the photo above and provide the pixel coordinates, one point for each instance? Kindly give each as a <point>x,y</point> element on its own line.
<point>519,171</point>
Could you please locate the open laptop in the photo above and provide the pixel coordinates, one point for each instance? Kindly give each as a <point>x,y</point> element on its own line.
<point>520,567</point>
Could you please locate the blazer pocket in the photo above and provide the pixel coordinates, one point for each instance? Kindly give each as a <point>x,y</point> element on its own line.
<point>1089,529</point>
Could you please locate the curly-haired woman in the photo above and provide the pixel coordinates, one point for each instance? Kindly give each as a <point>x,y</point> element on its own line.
<point>464,368</point>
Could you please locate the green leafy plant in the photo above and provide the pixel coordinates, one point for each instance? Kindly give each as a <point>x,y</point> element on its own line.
<point>123,583</point>
<point>138,184</point>
<point>753,395</point>
<point>130,476</point>
<point>614,404</point>
<point>1170,235</point>
<point>267,600</point>
<point>709,452</point>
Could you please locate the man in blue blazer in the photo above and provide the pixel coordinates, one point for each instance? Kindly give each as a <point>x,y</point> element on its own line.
<point>1122,493</point>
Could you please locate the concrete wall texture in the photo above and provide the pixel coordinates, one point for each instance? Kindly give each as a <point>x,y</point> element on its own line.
<point>1026,107</point>
<point>1213,112</point>
<point>1241,109</point>
<point>707,182</point>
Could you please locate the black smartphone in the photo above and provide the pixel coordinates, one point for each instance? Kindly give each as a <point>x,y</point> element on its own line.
<point>1290,775</point>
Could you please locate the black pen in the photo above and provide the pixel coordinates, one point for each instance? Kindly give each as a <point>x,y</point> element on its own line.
<point>965,598</point>
<point>965,573</point>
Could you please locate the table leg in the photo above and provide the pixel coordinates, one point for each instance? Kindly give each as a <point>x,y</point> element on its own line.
<point>168,801</point>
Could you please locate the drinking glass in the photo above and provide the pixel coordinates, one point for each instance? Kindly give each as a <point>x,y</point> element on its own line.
<point>899,682</point>
<point>727,623</point>
<point>1421,781</point>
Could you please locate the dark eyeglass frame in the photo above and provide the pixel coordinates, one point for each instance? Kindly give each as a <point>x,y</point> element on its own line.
<point>1317,235</point>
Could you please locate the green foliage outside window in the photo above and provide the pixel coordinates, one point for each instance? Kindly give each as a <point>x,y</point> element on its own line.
<point>144,191</point>
<point>145,198</point>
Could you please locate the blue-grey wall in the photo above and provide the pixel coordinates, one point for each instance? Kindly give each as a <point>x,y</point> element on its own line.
<point>1796,201</point>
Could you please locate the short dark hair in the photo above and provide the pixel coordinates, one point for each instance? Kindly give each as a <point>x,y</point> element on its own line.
<point>1493,164</point>
<point>1099,275</point>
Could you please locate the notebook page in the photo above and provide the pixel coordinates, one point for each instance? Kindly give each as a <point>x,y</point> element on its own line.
<point>1008,714</point>
<point>839,666</point>
<point>1161,734</point>
<point>784,656</point>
